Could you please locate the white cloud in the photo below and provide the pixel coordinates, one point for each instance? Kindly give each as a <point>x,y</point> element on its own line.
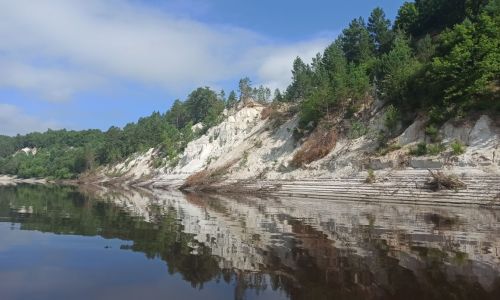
<point>55,84</point>
<point>79,44</point>
<point>14,121</point>
<point>275,68</point>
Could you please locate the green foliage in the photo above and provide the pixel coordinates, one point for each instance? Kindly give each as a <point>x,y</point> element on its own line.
<point>420,150</point>
<point>335,67</point>
<point>358,82</point>
<point>357,130</point>
<point>396,68</point>
<point>356,42</point>
<point>316,106</point>
<point>388,148</point>
<point>278,97</point>
<point>425,149</point>
<point>425,49</point>
<point>466,75</point>
<point>379,29</point>
<point>301,81</point>
<point>232,100</point>
<point>245,88</point>
<point>407,17</point>
<point>65,154</point>
<point>435,149</point>
<point>201,104</point>
<point>7,146</point>
<point>457,147</point>
<point>433,132</point>
<point>333,82</point>
<point>442,57</point>
<point>262,94</point>
<point>431,16</point>
<point>178,115</point>
<point>391,118</point>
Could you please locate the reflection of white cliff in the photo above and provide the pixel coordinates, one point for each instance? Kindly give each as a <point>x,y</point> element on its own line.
<point>137,202</point>
<point>237,239</point>
<point>240,232</point>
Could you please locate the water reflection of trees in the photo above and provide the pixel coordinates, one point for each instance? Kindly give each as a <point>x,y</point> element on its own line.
<point>311,268</point>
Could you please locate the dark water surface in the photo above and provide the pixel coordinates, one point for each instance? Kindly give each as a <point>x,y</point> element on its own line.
<point>72,243</point>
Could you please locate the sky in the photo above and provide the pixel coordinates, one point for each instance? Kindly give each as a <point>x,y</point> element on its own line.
<point>81,64</point>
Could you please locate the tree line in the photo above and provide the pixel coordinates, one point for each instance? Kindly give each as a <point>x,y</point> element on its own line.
<point>64,154</point>
<point>439,56</point>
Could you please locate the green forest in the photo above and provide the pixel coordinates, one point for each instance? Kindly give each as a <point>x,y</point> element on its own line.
<point>438,57</point>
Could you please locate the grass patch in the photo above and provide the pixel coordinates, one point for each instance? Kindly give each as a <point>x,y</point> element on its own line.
<point>388,148</point>
<point>244,159</point>
<point>427,149</point>
<point>419,150</point>
<point>457,148</point>
<point>391,118</point>
<point>357,130</point>
<point>435,149</point>
<point>433,132</point>
<point>157,162</point>
<point>371,176</point>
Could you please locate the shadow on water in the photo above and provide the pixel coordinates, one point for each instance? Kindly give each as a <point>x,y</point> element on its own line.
<point>289,248</point>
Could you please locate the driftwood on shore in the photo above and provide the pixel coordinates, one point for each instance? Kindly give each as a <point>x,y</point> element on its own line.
<point>441,181</point>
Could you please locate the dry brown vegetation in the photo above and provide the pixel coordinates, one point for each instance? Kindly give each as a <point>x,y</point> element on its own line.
<point>440,181</point>
<point>317,146</point>
<point>277,114</point>
<point>205,179</point>
<point>266,112</point>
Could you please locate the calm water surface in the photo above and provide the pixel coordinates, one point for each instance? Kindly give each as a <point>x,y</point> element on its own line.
<point>75,243</point>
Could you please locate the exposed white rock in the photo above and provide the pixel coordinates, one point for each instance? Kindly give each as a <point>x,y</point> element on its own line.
<point>451,132</point>
<point>482,134</point>
<point>414,133</point>
<point>27,150</point>
<point>138,167</point>
<point>244,146</point>
<point>221,144</point>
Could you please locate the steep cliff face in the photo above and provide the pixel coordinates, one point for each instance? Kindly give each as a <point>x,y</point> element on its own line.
<point>223,143</point>
<point>254,144</point>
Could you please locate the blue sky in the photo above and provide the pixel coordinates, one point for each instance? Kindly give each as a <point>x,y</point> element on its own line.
<point>93,64</point>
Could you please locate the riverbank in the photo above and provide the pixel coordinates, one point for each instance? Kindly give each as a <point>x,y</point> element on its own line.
<point>9,180</point>
<point>391,187</point>
<point>407,186</point>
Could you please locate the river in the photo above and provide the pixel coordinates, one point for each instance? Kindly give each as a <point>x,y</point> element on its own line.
<point>60,242</point>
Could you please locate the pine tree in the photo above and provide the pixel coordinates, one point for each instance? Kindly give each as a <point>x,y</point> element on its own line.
<point>301,81</point>
<point>356,42</point>
<point>231,100</point>
<point>380,32</point>
<point>245,87</point>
